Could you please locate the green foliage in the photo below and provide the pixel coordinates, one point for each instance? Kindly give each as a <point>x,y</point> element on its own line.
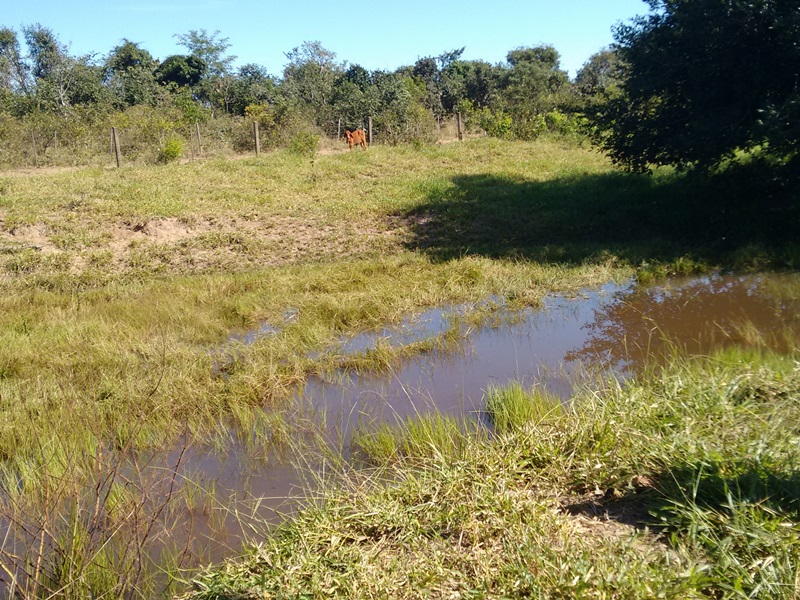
<point>475,81</point>
<point>193,112</point>
<point>253,85</point>
<point>495,123</point>
<point>209,48</point>
<point>181,71</point>
<point>315,92</point>
<point>703,80</point>
<point>171,150</point>
<point>14,71</point>
<point>304,143</point>
<point>216,84</point>
<point>130,73</point>
<point>600,78</point>
<point>308,80</point>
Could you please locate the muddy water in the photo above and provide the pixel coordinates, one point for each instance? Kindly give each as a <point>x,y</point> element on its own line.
<point>529,346</point>
<point>615,331</point>
<point>693,316</point>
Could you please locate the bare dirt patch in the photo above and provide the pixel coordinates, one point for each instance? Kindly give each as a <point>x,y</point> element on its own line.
<point>174,245</point>
<point>33,237</point>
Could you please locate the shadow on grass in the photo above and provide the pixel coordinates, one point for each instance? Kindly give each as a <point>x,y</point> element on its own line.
<point>724,220</point>
<point>674,497</point>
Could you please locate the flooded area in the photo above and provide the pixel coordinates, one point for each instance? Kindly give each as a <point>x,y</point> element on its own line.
<point>613,331</point>
<point>610,332</point>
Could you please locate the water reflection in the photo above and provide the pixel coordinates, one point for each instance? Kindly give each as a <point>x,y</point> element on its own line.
<point>530,348</point>
<point>694,316</point>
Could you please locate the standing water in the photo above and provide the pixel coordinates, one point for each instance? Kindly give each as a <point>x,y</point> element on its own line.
<point>614,331</point>
<point>611,332</point>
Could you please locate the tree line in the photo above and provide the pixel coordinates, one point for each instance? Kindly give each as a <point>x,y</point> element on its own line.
<point>692,84</point>
<point>41,81</point>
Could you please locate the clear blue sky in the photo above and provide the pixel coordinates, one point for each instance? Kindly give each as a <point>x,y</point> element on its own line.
<point>374,35</point>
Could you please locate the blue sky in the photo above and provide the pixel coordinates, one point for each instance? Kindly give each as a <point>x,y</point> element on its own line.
<point>376,36</point>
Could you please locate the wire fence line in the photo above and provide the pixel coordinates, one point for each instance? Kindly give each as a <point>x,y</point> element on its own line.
<point>34,143</point>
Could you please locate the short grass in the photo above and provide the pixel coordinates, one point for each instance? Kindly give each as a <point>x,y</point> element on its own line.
<point>683,484</point>
<point>548,201</point>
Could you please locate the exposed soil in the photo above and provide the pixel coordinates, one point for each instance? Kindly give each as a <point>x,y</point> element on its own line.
<point>228,241</point>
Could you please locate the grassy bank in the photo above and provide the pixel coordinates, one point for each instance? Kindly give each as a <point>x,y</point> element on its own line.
<point>683,484</point>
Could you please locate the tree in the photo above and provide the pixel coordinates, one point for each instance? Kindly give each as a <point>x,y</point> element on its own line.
<point>703,80</point>
<point>61,80</point>
<point>130,74</point>
<point>535,78</point>
<point>211,48</point>
<point>426,71</point>
<point>309,77</point>
<point>14,71</point>
<point>533,86</point>
<point>601,77</point>
<point>180,70</point>
<point>355,97</point>
<point>476,81</point>
<point>217,82</point>
<point>253,85</point>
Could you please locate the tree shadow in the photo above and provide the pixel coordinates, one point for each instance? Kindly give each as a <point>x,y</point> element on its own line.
<point>663,501</point>
<point>589,217</point>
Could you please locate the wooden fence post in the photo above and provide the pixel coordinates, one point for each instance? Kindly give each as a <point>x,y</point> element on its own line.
<point>115,144</point>
<point>35,155</point>
<point>460,127</point>
<point>199,144</point>
<point>55,145</point>
<point>339,130</point>
<point>369,127</point>
<point>255,134</point>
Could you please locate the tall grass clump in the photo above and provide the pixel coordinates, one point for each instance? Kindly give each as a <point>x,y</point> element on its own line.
<point>511,407</point>
<point>420,437</point>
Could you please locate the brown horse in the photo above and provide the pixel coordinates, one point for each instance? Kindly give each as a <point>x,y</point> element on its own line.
<point>356,138</point>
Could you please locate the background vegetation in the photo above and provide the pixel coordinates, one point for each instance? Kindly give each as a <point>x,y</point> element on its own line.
<point>56,108</point>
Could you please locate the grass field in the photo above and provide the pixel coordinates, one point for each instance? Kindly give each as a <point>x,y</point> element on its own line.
<point>119,290</point>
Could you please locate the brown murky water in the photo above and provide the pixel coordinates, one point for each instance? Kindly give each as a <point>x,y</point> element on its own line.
<point>615,330</point>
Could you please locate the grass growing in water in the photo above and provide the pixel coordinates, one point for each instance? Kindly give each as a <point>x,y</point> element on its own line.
<point>119,287</point>
<point>511,407</point>
<point>422,437</point>
<point>683,484</point>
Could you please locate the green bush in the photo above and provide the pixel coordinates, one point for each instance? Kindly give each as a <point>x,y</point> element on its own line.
<point>304,143</point>
<point>171,150</point>
<point>494,123</point>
